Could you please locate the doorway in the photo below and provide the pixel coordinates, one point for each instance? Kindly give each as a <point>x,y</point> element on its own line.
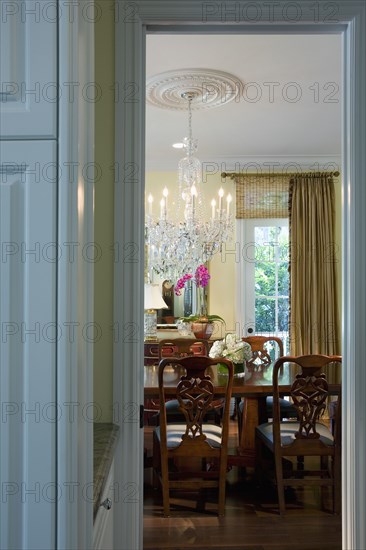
<point>128,301</point>
<point>255,141</point>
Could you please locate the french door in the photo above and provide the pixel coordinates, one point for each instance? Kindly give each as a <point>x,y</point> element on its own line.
<point>263,278</point>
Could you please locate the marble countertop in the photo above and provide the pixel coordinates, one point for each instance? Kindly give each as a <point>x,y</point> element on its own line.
<point>105,439</point>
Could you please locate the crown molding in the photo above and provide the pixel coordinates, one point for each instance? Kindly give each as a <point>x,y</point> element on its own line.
<point>256,163</point>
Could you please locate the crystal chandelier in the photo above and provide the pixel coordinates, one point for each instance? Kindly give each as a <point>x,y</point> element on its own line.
<point>178,242</point>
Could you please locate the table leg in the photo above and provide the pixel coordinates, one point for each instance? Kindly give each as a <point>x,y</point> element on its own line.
<point>254,413</point>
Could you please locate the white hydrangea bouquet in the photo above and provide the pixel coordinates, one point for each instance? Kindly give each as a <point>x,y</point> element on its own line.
<point>233,348</point>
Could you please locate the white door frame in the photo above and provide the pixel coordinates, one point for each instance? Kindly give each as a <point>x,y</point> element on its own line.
<point>75,279</point>
<point>133,19</point>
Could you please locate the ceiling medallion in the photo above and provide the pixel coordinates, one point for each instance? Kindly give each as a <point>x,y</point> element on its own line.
<point>182,238</point>
<point>211,89</point>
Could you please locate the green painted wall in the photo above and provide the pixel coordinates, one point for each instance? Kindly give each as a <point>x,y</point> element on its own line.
<point>104,211</point>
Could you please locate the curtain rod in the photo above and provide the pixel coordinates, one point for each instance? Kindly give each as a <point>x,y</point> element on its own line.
<point>233,175</point>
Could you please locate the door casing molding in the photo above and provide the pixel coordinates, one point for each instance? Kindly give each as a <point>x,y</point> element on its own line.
<point>75,283</point>
<point>133,20</point>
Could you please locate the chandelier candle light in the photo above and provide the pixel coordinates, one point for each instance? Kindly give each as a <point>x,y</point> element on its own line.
<point>179,244</point>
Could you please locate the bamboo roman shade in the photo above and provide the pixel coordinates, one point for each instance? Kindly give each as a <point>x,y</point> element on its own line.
<point>263,196</point>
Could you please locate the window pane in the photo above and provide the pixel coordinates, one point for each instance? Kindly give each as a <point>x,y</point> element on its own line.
<point>271,278</point>
<point>283,279</point>
<point>264,315</point>
<point>265,279</point>
<point>283,247</point>
<point>283,314</point>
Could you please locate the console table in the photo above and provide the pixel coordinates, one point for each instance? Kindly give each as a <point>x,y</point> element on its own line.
<point>151,349</point>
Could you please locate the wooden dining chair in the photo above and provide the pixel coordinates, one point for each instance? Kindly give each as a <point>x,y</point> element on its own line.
<point>262,357</point>
<point>175,445</point>
<point>174,348</point>
<point>307,437</point>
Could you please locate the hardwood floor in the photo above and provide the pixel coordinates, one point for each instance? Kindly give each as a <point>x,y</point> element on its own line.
<point>251,522</point>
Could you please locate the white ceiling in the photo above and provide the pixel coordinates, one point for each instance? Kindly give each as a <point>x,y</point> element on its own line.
<point>274,129</point>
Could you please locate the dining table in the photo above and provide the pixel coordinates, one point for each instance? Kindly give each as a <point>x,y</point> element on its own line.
<point>254,386</point>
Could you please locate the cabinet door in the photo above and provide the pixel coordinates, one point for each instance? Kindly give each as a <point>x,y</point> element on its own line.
<point>28,69</point>
<point>103,524</point>
<point>28,344</point>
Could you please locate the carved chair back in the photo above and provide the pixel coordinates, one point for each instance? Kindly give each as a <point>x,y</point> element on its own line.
<point>261,351</point>
<point>178,348</point>
<point>309,393</point>
<point>198,450</point>
<point>194,391</point>
<point>308,436</point>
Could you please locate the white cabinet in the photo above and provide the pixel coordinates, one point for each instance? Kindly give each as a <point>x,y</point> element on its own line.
<point>103,524</point>
<point>46,57</point>
<point>29,89</point>
<point>28,345</point>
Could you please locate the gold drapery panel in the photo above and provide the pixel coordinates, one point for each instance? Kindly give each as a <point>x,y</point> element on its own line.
<point>308,201</point>
<point>314,314</point>
<point>262,197</point>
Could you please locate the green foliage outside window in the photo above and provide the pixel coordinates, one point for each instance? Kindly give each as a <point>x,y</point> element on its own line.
<point>271,279</point>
